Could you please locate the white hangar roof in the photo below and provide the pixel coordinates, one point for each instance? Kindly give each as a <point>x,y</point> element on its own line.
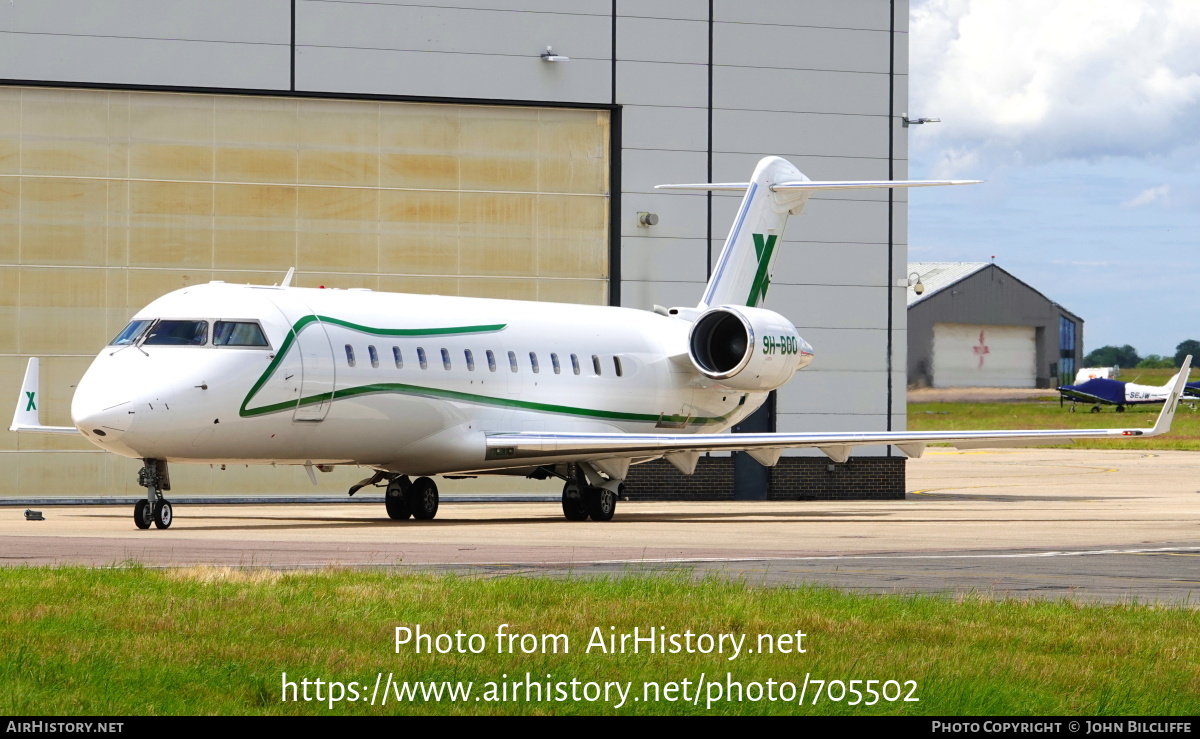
<point>937,276</point>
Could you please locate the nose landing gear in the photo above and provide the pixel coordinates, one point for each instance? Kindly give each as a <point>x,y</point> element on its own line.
<point>155,508</point>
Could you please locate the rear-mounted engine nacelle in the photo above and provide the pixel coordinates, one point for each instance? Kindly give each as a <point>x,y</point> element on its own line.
<point>749,349</point>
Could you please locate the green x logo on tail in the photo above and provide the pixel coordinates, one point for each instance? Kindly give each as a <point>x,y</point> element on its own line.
<point>30,406</point>
<point>763,246</point>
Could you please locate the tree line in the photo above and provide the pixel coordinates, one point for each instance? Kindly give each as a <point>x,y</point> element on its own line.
<point>1126,357</point>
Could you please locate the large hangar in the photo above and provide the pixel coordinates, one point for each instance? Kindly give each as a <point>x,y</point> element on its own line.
<point>438,147</point>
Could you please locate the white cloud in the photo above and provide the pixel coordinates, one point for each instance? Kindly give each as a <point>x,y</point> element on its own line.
<point>1148,196</point>
<point>1028,81</point>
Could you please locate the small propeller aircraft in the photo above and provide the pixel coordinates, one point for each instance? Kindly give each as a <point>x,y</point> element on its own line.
<point>1103,391</point>
<point>414,386</point>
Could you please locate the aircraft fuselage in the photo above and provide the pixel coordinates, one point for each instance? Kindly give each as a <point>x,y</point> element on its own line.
<point>406,383</point>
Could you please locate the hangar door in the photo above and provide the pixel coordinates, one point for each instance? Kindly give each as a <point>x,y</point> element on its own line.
<point>111,198</point>
<point>966,355</point>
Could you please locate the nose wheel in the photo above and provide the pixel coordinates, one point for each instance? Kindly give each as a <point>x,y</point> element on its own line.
<point>143,515</point>
<point>154,508</point>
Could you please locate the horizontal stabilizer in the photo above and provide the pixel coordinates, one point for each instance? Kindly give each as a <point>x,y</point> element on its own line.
<point>813,185</point>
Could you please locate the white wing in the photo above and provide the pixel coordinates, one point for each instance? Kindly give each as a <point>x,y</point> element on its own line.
<point>683,450</point>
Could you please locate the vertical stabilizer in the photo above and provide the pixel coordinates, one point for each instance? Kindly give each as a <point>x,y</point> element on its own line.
<point>743,272</point>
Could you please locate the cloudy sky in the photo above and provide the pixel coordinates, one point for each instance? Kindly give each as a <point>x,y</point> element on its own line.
<point>1084,118</point>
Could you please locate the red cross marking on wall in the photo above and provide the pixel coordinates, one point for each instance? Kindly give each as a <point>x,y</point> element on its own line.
<point>981,350</point>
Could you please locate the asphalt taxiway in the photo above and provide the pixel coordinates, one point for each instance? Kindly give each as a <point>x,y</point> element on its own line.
<point>1112,526</point>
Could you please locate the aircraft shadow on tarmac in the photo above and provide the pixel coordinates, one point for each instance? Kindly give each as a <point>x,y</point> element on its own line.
<point>341,522</point>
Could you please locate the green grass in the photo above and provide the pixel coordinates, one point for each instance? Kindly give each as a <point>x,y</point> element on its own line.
<point>215,641</point>
<point>1046,414</point>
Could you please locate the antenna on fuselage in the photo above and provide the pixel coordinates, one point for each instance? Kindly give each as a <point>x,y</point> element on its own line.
<point>287,281</point>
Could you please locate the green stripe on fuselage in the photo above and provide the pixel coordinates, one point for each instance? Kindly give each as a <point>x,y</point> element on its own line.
<point>431,392</point>
<point>304,322</point>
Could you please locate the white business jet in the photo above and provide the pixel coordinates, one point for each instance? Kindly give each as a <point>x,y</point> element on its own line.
<point>413,386</point>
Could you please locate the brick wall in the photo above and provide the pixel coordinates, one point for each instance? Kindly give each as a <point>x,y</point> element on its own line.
<point>794,478</point>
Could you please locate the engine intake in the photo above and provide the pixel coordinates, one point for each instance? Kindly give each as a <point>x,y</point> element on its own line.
<point>749,349</point>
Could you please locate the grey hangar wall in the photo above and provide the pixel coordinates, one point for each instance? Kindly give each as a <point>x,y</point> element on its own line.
<point>693,91</point>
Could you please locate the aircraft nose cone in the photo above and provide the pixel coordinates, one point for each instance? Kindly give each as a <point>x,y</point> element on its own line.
<point>102,405</point>
<point>104,424</point>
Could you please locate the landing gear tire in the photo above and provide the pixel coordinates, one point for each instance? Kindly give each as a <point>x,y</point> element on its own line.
<point>1120,409</point>
<point>142,516</point>
<point>573,505</point>
<point>163,515</point>
<point>395,499</point>
<point>601,504</point>
<point>422,499</point>
<point>1095,409</point>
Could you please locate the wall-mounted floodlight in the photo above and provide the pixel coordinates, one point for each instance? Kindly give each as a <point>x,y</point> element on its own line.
<point>646,220</point>
<point>914,281</point>
<point>549,56</point>
<point>917,121</point>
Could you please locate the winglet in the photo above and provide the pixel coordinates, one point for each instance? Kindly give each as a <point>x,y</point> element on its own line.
<point>1167,414</point>
<point>27,417</point>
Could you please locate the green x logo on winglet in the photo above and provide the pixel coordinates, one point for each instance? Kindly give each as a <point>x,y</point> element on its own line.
<point>31,406</point>
<point>763,246</point>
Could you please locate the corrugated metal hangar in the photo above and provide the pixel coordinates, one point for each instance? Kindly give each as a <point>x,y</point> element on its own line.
<point>976,325</point>
<point>437,147</point>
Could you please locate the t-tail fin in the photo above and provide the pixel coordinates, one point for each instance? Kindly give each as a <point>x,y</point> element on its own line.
<point>777,190</point>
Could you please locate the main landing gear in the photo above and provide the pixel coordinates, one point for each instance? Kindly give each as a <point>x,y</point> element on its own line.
<point>581,501</point>
<point>154,508</point>
<point>404,498</point>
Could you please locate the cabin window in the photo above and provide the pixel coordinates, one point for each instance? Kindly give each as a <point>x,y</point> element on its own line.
<point>470,360</point>
<point>533,362</point>
<point>617,366</point>
<point>575,364</point>
<point>374,356</point>
<point>131,333</point>
<point>512,361</point>
<point>349,355</point>
<point>596,364</point>
<point>421,357</point>
<point>554,361</point>
<point>177,333</point>
<point>445,359</point>
<point>238,333</point>
<point>398,357</point>
<point>491,361</point>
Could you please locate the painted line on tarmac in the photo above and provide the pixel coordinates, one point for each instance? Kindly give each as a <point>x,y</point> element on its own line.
<point>1179,551</point>
<point>832,557</point>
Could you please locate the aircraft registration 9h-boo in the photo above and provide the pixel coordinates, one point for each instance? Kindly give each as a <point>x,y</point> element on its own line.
<point>415,386</point>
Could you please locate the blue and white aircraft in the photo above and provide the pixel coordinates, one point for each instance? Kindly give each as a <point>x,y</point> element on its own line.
<point>414,386</point>
<point>1103,391</point>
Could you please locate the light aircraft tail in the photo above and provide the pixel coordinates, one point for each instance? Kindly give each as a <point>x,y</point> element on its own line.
<point>777,190</point>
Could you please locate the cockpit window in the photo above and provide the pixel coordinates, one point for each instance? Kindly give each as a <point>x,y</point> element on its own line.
<point>131,333</point>
<point>177,333</point>
<point>238,333</point>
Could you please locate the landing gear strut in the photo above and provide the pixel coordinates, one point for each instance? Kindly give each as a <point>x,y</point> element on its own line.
<point>154,508</point>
